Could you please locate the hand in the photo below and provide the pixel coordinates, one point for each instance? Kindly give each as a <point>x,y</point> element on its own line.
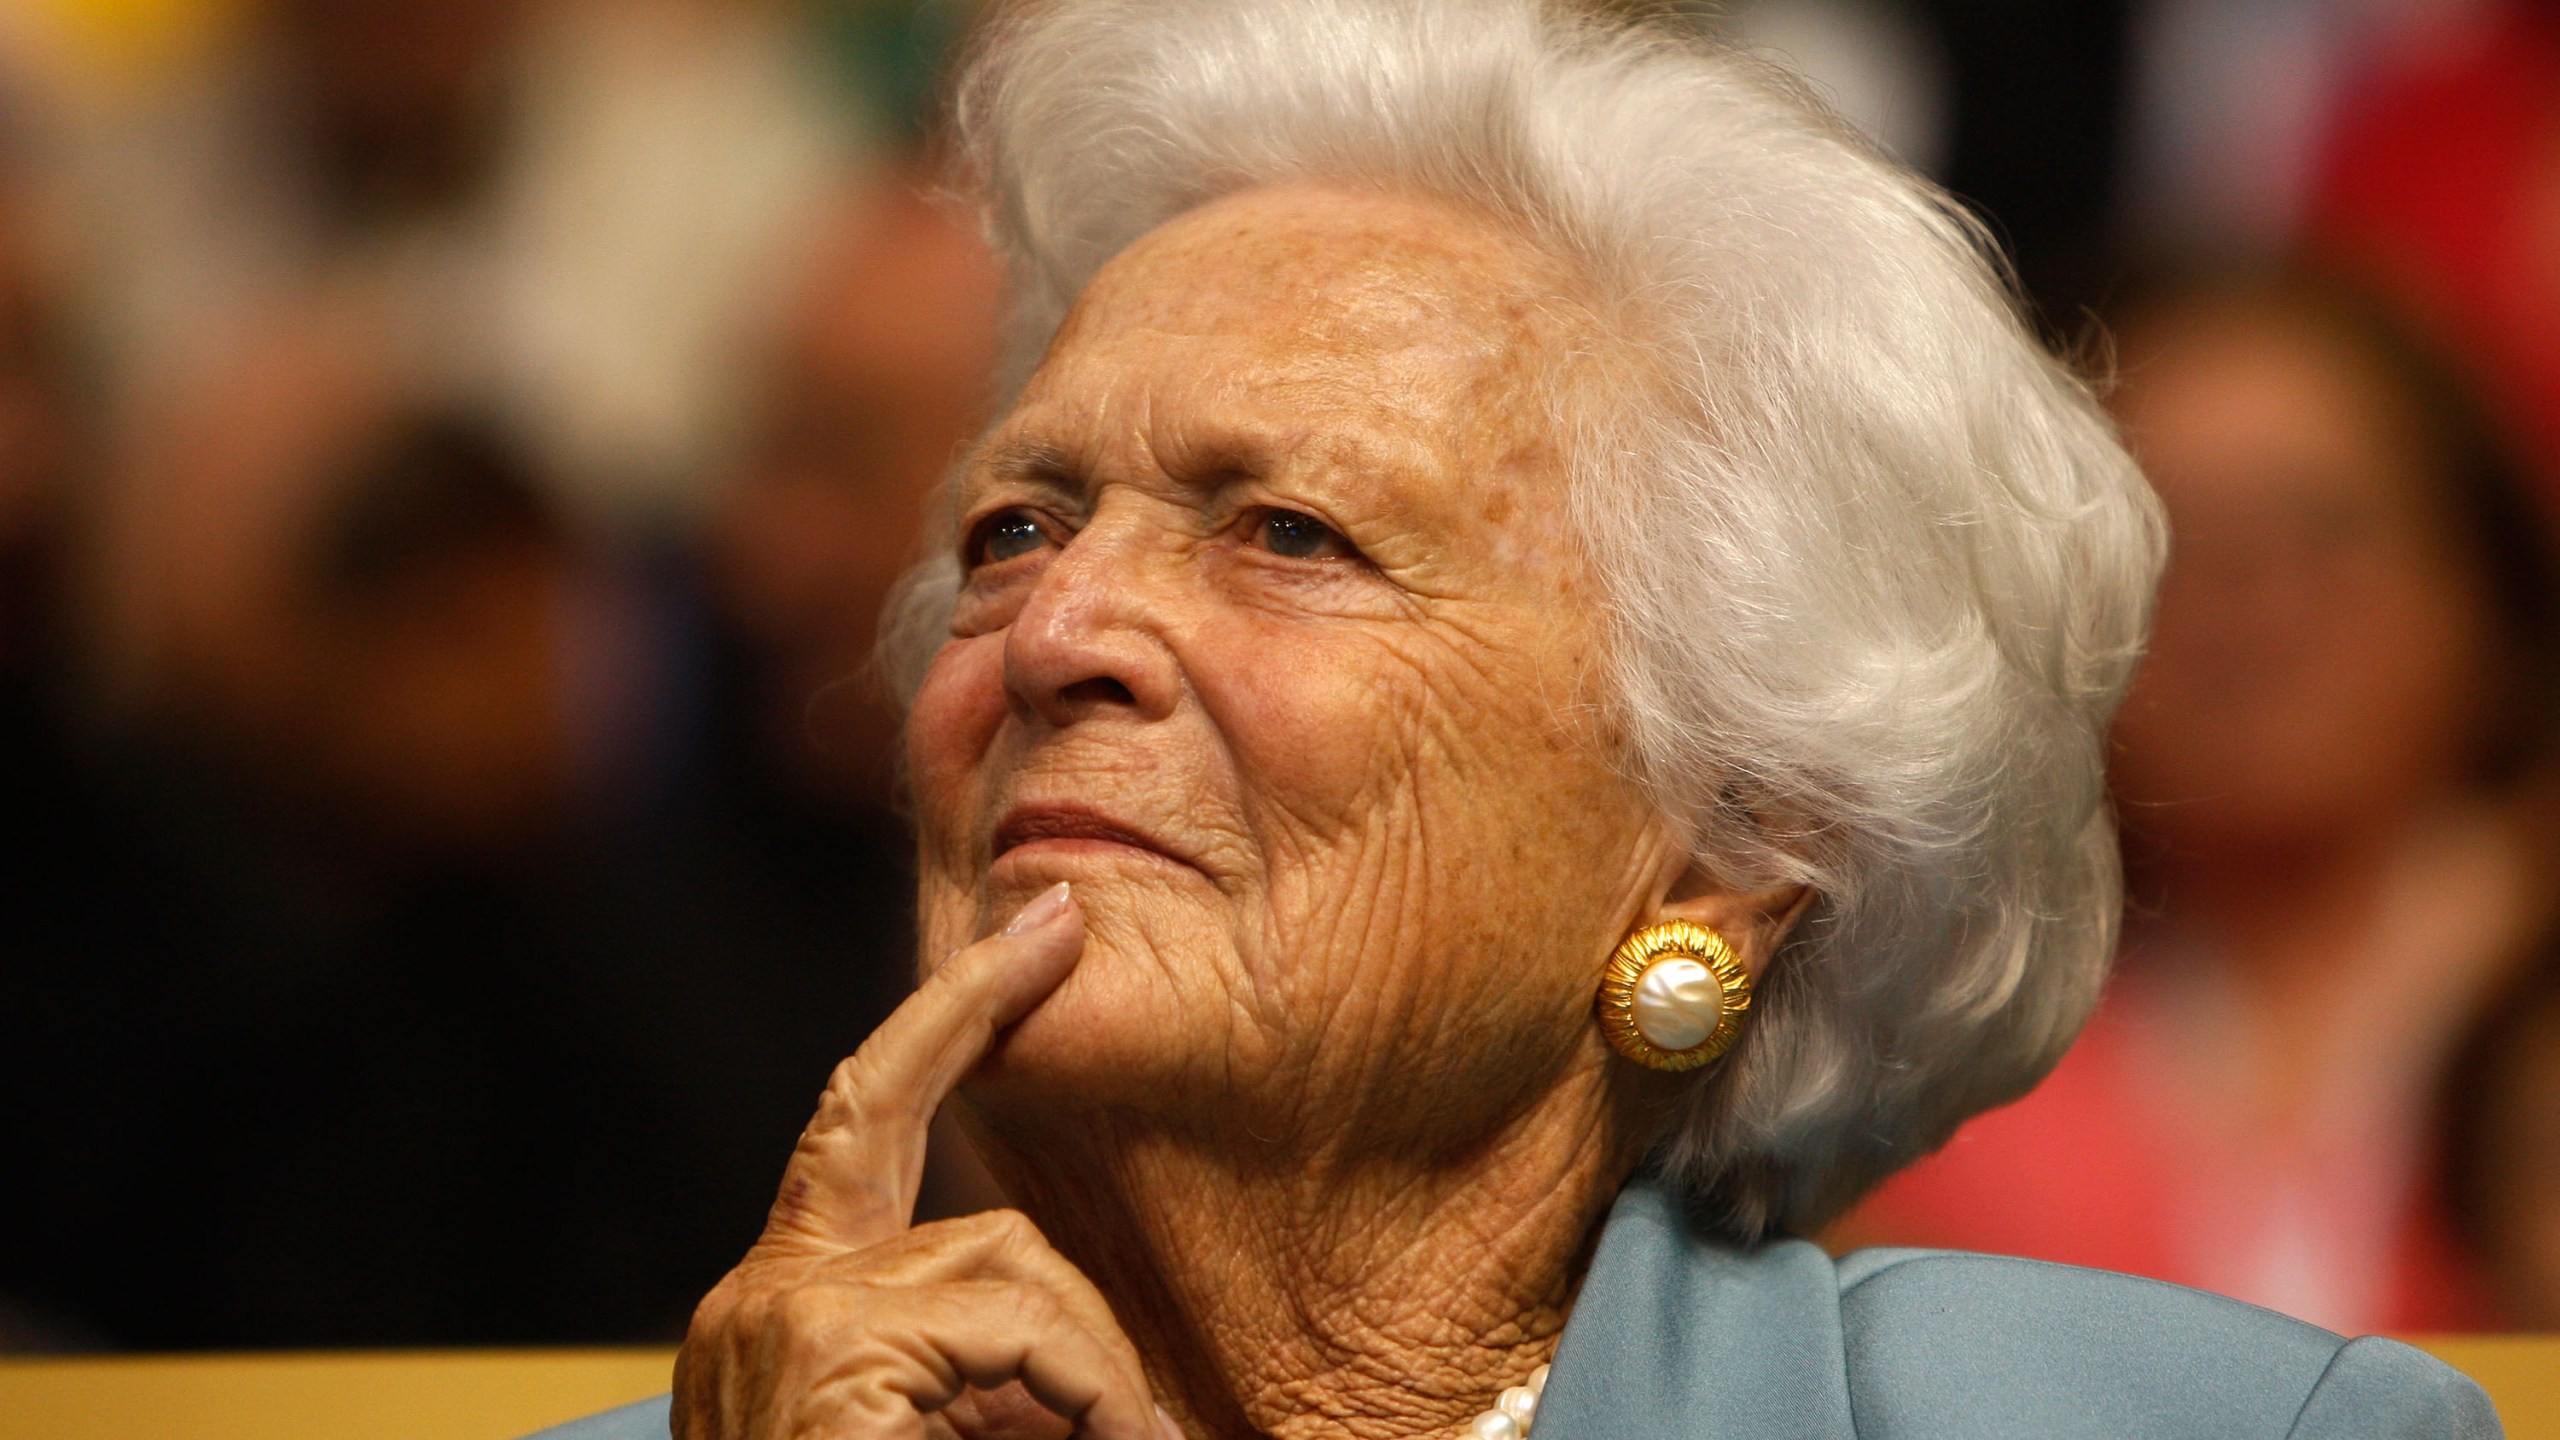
<point>846,1321</point>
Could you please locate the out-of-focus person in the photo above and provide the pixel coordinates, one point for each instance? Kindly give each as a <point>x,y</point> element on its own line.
<point>308,569</point>
<point>414,728</point>
<point>2328,772</point>
<point>879,380</point>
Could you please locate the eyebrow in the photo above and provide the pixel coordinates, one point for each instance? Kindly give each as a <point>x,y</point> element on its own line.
<point>1041,462</point>
<point>1034,460</point>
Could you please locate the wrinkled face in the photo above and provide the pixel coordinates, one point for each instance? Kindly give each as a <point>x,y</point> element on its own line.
<point>1273,642</point>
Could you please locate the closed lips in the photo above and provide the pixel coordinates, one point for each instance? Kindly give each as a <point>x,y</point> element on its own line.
<point>1025,827</point>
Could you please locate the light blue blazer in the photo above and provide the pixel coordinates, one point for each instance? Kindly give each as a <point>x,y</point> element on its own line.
<point>1679,1337</point>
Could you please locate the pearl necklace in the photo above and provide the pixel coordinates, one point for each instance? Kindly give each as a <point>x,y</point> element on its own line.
<point>1510,1416</point>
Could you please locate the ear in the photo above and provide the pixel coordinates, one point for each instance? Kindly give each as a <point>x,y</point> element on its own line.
<point>1756,923</point>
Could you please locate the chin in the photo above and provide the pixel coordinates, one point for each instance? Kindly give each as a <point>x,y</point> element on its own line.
<point>1119,1032</point>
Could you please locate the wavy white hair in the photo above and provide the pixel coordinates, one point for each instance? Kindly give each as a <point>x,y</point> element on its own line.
<point>1877,568</point>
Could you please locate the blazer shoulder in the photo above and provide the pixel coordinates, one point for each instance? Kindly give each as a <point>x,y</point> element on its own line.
<point>1942,1343</point>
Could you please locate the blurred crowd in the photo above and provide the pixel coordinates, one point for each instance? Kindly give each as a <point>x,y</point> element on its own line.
<point>453,455</point>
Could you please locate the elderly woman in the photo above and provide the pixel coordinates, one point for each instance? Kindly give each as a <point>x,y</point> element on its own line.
<point>1511,716</point>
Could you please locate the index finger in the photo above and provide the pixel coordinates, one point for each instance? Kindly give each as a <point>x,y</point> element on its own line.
<point>853,1176</point>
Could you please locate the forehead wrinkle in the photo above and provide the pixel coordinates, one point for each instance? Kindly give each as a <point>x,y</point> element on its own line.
<point>1300,332</point>
<point>1245,435</point>
<point>1235,426</point>
<point>1390,273</point>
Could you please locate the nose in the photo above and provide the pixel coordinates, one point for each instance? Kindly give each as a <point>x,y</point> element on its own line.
<point>1090,641</point>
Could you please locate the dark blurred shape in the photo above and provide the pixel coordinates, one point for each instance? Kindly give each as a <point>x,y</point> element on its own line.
<point>2502,1146</point>
<point>440,485</point>
<point>2037,134</point>
<point>2019,107</point>
<point>399,104</point>
<point>2332,773</point>
<point>294,1058</point>
<point>43,427</point>
<point>44,451</point>
<point>431,600</point>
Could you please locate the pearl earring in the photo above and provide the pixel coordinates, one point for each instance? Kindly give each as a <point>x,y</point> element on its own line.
<point>1674,996</point>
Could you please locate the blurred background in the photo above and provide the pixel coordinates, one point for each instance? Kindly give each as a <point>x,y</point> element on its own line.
<point>453,453</point>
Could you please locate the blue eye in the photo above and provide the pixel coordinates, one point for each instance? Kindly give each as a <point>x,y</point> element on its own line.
<point>1005,535</point>
<point>1300,537</point>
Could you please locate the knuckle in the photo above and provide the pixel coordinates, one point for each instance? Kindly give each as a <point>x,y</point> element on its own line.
<point>792,1349</point>
<point>846,1077</point>
<point>716,1310</point>
<point>1014,1227</point>
<point>866,1096</point>
<point>805,1311</point>
<point>1038,1308</point>
<point>847,1085</point>
<point>1004,1229</point>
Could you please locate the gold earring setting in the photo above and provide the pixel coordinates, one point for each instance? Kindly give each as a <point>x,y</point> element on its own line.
<point>1674,996</point>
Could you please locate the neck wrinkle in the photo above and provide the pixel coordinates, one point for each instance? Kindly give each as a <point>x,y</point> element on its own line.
<point>1305,1298</point>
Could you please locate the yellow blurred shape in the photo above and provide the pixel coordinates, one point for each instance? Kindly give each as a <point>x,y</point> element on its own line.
<point>2520,1372</point>
<point>414,1395</point>
<point>131,44</point>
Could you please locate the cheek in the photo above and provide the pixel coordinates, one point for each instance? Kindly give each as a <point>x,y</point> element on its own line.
<point>950,732</point>
<point>1325,723</point>
<point>1436,788</point>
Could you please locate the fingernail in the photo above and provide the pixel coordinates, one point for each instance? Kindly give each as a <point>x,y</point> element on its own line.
<point>1165,1423</point>
<point>1048,905</point>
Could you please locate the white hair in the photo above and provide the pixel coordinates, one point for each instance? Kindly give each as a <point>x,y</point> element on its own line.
<point>1877,567</point>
